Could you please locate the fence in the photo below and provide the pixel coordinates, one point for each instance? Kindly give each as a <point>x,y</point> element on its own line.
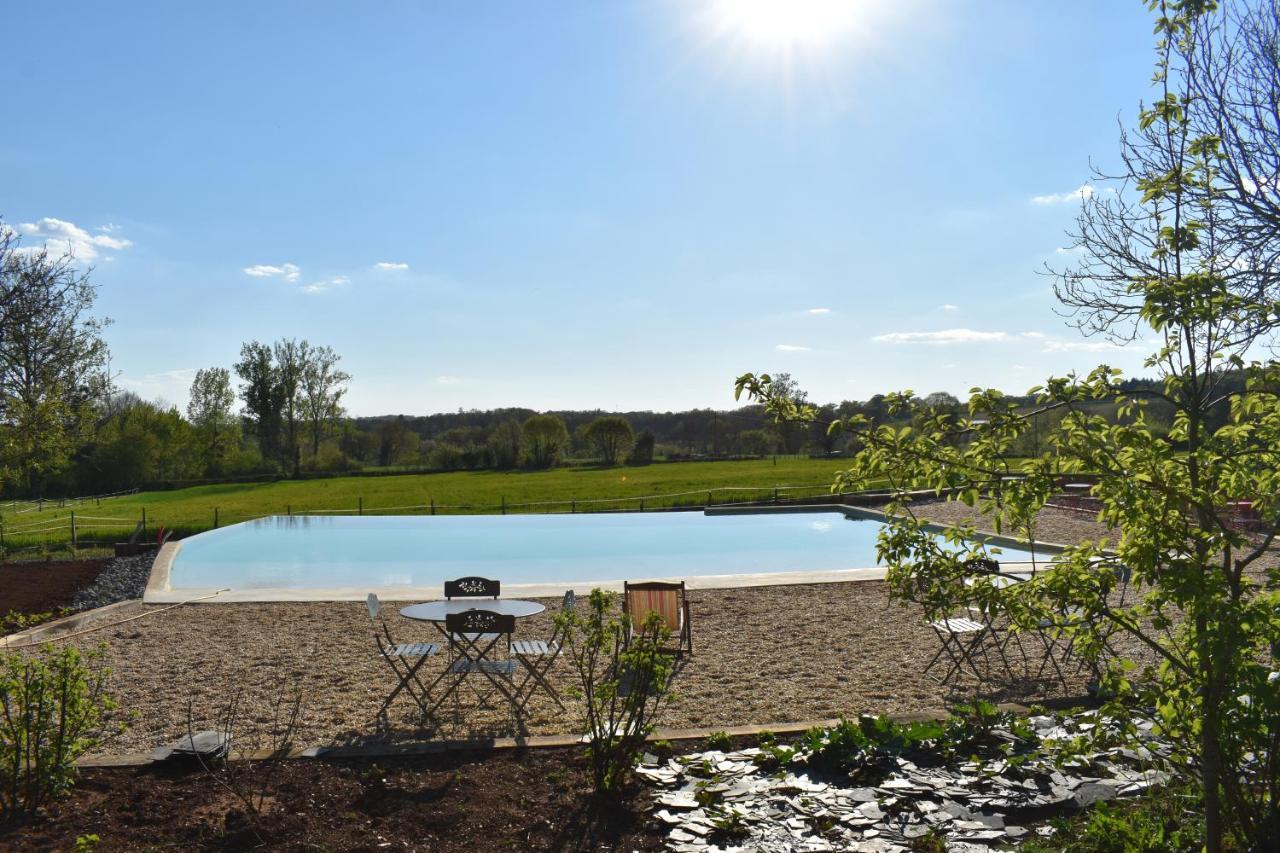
<point>76,529</point>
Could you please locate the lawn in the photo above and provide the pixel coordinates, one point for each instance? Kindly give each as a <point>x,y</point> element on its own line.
<point>193,509</point>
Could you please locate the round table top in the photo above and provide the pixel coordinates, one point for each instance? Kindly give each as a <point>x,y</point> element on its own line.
<point>435,611</point>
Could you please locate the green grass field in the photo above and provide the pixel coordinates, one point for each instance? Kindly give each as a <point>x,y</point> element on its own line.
<point>191,510</point>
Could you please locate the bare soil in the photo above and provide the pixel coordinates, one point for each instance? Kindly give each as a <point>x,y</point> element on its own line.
<point>522,800</point>
<point>34,588</point>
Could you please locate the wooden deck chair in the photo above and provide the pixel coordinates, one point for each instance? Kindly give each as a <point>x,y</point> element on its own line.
<point>405,659</point>
<point>669,601</point>
<point>537,656</point>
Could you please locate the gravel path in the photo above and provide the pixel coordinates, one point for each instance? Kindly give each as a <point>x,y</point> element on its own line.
<point>762,655</point>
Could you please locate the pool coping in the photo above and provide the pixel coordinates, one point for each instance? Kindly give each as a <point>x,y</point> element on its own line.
<point>159,591</point>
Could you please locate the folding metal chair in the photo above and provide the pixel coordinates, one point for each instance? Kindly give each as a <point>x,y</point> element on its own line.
<point>537,656</point>
<point>666,599</point>
<point>960,638</point>
<point>405,659</point>
<point>475,640</point>
<point>472,587</point>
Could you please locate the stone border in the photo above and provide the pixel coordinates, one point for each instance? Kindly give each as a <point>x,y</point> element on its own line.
<point>496,744</point>
<point>159,590</point>
<point>68,623</point>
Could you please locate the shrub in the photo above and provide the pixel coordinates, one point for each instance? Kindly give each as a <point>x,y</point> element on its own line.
<point>52,708</point>
<point>622,684</point>
<point>718,740</point>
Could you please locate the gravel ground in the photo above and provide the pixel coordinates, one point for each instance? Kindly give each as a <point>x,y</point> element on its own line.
<point>762,655</point>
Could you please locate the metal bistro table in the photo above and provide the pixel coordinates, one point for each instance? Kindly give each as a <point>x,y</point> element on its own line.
<point>471,656</point>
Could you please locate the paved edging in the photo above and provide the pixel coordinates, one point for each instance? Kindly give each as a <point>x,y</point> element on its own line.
<point>70,623</point>
<point>407,750</point>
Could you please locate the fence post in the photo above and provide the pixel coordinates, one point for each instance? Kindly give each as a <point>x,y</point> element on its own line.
<point>360,506</point>
<point>433,506</point>
<point>708,498</point>
<point>642,504</point>
<point>288,509</point>
<point>73,530</point>
<point>215,518</point>
<point>775,494</point>
<point>573,506</point>
<point>504,504</point>
<point>144,521</point>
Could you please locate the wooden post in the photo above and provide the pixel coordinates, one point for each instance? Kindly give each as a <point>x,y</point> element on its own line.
<point>215,518</point>
<point>360,507</point>
<point>73,530</point>
<point>288,509</point>
<point>144,521</point>
<point>708,498</point>
<point>642,504</point>
<point>433,506</point>
<point>573,506</point>
<point>775,494</point>
<point>504,504</point>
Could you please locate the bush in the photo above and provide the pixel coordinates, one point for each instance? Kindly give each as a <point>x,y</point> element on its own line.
<point>52,709</point>
<point>622,683</point>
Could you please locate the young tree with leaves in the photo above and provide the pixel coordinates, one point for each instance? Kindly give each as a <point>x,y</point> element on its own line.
<point>1156,258</point>
<point>544,438</point>
<point>209,411</point>
<point>611,436</point>
<point>323,386</point>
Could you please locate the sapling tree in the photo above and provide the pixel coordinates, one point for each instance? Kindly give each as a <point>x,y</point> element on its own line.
<point>1159,263</point>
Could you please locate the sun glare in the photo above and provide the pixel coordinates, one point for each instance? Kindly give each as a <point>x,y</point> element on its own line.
<point>788,23</point>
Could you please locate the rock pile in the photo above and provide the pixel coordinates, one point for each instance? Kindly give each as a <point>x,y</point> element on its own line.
<point>121,579</point>
<point>723,801</point>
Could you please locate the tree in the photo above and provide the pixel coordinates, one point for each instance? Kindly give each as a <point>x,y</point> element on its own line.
<point>292,358</point>
<point>612,437</point>
<point>1157,257</point>
<point>544,439</point>
<point>52,361</point>
<point>790,433</point>
<point>756,442</point>
<point>504,444</point>
<point>396,442</point>
<point>642,452</point>
<point>209,411</point>
<point>323,386</point>
<point>261,391</point>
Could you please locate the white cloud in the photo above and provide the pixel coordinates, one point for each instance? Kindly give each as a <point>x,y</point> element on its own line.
<point>1036,335</point>
<point>1080,193</point>
<point>325,285</point>
<point>289,272</point>
<point>948,307</point>
<point>819,310</point>
<point>790,348</point>
<point>1080,346</point>
<point>448,380</point>
<point>66,238</point>
<point>168,385</point>
<point>942,338</point>
<point>390,265</point>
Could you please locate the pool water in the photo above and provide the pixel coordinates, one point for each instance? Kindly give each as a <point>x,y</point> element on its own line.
<point>301,552</point>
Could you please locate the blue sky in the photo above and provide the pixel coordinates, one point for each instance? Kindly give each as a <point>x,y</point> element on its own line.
<point>574,205</point>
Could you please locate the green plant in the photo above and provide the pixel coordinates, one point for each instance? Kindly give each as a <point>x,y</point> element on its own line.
<point>1170,821</point>
<point>718,740</point>
<point>85,843</point>
<point>766,738</point>
<point>622,679</point>
<point>730,825</point>
<point>53,707</point>
<point>662,747</point>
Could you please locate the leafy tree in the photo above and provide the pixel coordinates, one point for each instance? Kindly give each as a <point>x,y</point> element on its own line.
<point>611,437</point>
<point>209,412</point>
<point>642,451</point>
<point>1156,258</point>
<point>756,442</point>
<point>323,386</point>
<point>790,434</point>
<point>396,442</point>
<point>292,358</point>
<point>504,444</point>
<point>52,360</point>
<point>544,440</point>
<point>261,391</point>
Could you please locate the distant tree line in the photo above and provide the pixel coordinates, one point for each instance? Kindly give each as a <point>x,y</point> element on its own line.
<point>277,411</point>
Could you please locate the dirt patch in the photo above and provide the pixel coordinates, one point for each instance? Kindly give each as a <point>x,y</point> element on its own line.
<point>525,800</point>
<point>32,588</point>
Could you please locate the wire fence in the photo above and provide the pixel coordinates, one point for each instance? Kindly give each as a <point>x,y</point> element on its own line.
<point>76,529</point>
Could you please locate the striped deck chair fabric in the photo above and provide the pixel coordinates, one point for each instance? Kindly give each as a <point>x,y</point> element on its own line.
<point>669,601</point>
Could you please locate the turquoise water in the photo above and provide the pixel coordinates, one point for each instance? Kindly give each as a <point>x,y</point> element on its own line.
<point>303,552</point>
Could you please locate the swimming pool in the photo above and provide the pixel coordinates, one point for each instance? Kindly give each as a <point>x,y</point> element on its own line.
<point>345,556</point>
